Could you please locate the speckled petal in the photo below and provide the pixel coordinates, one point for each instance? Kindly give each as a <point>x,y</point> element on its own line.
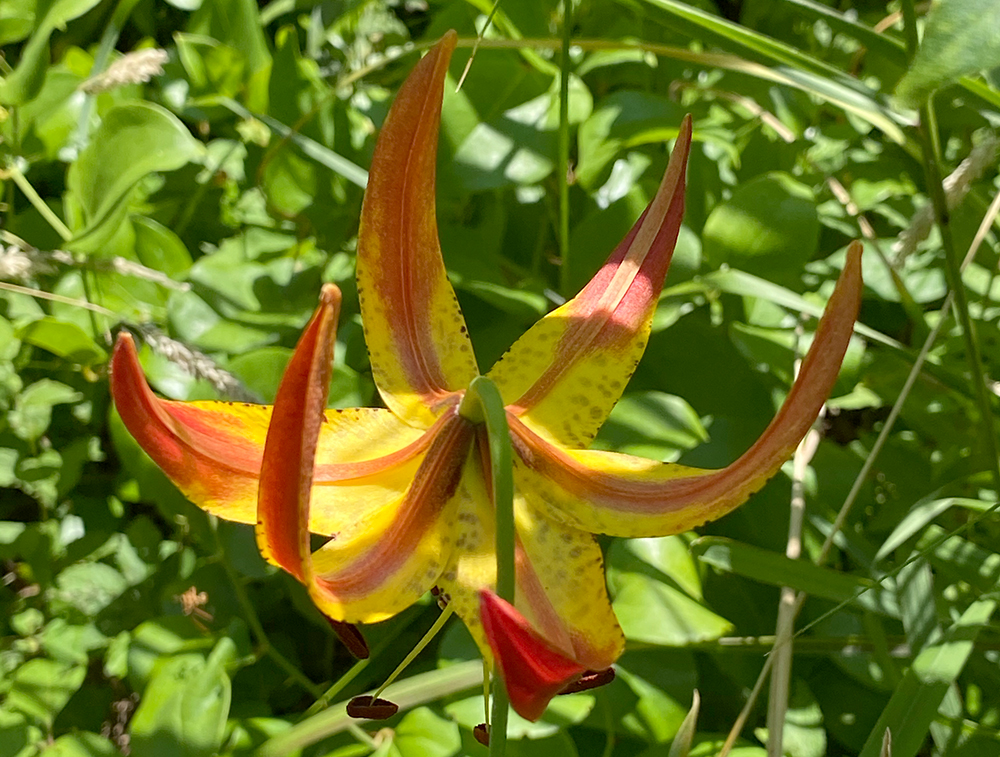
<point>212,450</point>
<point>417,340</point>
<point>604,492</point>
<point>563,377</point>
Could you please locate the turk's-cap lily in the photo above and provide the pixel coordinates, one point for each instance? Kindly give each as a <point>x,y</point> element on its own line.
<point>402,493</point>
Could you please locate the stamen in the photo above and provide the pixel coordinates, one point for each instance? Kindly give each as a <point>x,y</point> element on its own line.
<point>481,733</point>
<point>431,633</point>
<point>371,708</point>
<point>590,680</point>
<point>350,637</point>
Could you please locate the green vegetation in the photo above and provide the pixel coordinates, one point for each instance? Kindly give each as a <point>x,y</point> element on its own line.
<point>200,196</point>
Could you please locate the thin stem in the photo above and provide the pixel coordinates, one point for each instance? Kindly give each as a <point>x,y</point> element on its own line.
<point>563,170</point>
<point>38,203</point>
<point>412,692</point>
<point>256,628</point>
<point>340,684</point>
<point>929,142</point>
<point>417,649</point>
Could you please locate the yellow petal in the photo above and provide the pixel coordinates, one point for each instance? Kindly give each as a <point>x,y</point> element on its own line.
<point>560,586</point>
<point>381,563</point>
<point>604,492</point>
<point>419,346</point>
<point>212,450</point>
<point>566,373</point>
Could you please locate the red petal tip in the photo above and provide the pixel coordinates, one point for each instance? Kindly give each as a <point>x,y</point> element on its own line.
<point>533,671</point>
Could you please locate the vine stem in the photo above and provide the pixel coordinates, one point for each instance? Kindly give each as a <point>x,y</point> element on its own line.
<point>482,404</point>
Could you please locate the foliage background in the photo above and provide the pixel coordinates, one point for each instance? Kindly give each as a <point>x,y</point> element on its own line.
<point>203,209</point>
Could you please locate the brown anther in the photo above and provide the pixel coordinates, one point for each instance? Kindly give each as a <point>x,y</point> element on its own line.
<point>370,708</point>
<point>351,638</point>
<point>590,680</point>
<point>481,734</point>
<point>442,597</point>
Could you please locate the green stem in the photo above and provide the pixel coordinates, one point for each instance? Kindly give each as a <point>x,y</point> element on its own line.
<point>39,204</point>
<point>482,402</point>
<point>416,690</point>
<point>563,174</point>
<point>431,633</point>
<point>108,41</point>
<point>930,145</point>
<point>256,628</point>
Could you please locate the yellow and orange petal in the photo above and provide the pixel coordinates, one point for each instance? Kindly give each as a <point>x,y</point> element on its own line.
<point>419,346</point>
<point>565,374</point>
<point>604,492</point>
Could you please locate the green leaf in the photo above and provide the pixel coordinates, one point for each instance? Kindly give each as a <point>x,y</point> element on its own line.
<point>90,587</point>
<point>769,227</point>
<point>65,339</point>
<point>652,424</point>
<point>25,82</point>
<point>81,745</point>
<point>41,688</point>
<point>960,38</point>
<point>184,709</point>
<point>32,411</point>
<point>132,142</point>
<point>657,593</point>
<point>915,702</point>
<point>778,570</point>
<point>424,733</point>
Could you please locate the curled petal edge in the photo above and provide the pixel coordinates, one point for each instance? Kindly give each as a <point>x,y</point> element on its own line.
<point>622,495</point>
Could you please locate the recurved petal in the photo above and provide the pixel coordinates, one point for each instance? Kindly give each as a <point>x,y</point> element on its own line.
<point>533,672</point>
<point>419,347</point>
<point>286,472</point>
<point>622,495</point>
<point>212,450</point>
<point>566,373</point>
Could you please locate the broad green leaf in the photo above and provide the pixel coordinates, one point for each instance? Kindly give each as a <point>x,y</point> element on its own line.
<point>960,559</point>
<point>159,248</point>
<point>237,23</point>
<point>960,38</point>
<point>769,227</point>
<point>81,744</point>
<point>67,340</point>
<point>41,688</point>
<point>24,83</point>
<point>657,593</point>
<point>778,570</point>
<point>184,708</point>
<point>89,587</point>
<point>32,411</point>
<point>133,141</point>
<point>914,703</point>
<point>424,733</point>
<point>572,708</point>
<point>621,120</point>
<point>652,424</point>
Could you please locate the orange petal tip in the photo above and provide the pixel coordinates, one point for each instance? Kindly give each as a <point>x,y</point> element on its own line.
<point>532,670</point>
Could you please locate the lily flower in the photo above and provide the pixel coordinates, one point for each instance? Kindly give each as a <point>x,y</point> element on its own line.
<point>402,492</point>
